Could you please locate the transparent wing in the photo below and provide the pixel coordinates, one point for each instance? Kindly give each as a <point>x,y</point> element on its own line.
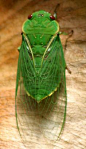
<point>44,120</point>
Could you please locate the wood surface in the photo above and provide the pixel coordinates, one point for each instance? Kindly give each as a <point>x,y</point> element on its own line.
<point>71,16</point>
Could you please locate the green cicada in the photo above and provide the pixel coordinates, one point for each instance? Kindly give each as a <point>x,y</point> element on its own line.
<point>41,98</point>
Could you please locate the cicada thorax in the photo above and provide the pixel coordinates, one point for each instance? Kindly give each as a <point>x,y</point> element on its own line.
<point>38,45</point>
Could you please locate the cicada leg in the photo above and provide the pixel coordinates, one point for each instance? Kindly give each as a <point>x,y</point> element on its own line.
<point>69,35</point>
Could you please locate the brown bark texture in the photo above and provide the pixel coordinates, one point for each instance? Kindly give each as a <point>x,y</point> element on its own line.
<point>71,15</point>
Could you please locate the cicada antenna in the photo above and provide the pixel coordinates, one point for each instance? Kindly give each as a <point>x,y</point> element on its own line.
<point>55,11</point>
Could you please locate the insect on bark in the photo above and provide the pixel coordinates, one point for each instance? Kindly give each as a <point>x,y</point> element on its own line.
<point>41,97</point>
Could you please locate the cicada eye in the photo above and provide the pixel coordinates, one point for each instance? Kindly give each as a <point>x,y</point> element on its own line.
<point>52,17</point>
<point>30,16</point>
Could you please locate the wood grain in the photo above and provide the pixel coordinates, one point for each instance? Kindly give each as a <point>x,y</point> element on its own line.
<point>71,16</point>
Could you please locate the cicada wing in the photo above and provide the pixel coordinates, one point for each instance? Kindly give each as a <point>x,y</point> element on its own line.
<point>26,110</point>
<point>44,120</point>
